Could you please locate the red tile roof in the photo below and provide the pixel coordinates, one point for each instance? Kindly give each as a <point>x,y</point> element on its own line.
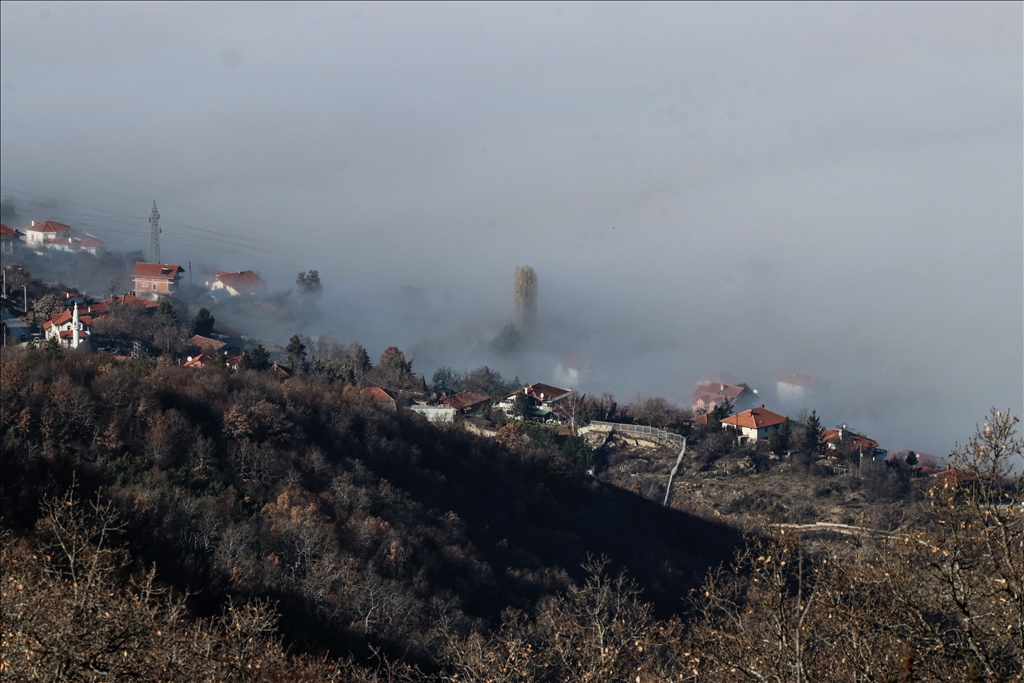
<point>719,391</point>
<point>8,233</point>
<point>58,240</point>
<point>377,394</point>
<point>756,418</point>
<point>122,300</point>
<point>207,344</point>
<point>832,436</point>
<point>47,227</point>
<point>90,243</point>
<point>463,400</point>
<point>244,281</point>
<point>166,271</point>
<point>199,361</point>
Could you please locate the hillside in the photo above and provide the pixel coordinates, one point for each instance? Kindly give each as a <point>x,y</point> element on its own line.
<point>365,525</point>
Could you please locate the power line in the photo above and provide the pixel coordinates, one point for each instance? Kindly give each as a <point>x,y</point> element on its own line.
<point>234,242</point>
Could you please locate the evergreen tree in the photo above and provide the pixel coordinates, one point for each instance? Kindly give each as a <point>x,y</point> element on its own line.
<point>296,351</point>
<point>813,433</point>
<point>723,411</point>
<point>202,324</point>
<point>255,359</point>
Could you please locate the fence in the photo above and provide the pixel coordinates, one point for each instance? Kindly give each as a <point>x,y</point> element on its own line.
<point>640,430</point>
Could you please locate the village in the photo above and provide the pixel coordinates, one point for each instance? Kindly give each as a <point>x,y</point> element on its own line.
<point>64,318</point>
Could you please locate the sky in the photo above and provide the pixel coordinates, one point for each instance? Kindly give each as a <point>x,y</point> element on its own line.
<point>706,191</point>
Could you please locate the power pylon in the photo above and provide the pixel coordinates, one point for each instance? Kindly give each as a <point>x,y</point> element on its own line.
<point>154,238</point>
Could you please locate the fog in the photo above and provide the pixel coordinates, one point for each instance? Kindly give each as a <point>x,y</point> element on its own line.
<point>704,190</point>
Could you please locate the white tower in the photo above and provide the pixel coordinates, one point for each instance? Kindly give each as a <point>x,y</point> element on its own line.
<point>76,326</point>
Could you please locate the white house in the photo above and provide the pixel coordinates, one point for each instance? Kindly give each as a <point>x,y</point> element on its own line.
<point>797,387</point>
<point>756,423</point>
<point>68,328</point>
<point>241,282</point>
<point>38,234</point>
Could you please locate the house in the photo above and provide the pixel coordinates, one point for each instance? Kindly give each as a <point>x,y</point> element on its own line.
<point>547,402</point>
<point>91,245</point>
<point>390,400</point>
<point>464,401</point>
<point>841,437</point>
<point>155,280</point>
<point>68,328</point>
<point>797,387</point>
<point>235,284</point>
<point>704,420</point>
<point>200,361</point>
<point>8,238</point>
<point>756,423</point>
<point>129,299</point>
<point>710,395</point>
<point>38,234</point>
<point>207,345</point>
<point>16,329</point>
<point>435,413</point>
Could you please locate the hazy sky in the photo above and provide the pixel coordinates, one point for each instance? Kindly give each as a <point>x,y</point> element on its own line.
<point>752,189</point>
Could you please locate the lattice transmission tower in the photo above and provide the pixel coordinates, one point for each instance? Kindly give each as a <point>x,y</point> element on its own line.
<point>154,235</point>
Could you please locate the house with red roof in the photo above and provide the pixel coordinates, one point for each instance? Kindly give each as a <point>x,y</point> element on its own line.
<point>464,401</point>
<point>68,327</point>
<point>710,395</point>
<point>8,238</point>
<point>155,280</point>
<point>38,234</point>
<point>755,424</point>
<point>91,245</point>
<point>547,401</point>
<point>235,284</point>
<point>833,439</point>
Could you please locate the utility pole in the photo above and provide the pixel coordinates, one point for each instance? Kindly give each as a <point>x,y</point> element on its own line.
<point>24,289</point>
<point>154,237</point>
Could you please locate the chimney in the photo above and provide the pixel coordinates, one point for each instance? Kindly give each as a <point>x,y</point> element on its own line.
<point>33,223</point>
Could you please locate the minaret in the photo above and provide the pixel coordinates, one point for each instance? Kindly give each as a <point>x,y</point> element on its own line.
<point>75,327</point>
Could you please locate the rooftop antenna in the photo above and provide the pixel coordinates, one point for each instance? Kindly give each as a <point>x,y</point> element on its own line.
<point>154,238</point>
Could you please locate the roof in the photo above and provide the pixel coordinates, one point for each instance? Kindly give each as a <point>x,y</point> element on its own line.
<point>541,392</point>
<point>719,390</point>
<point>756,418</point>
<point>705,419</point>
<point>128,299</point>
<point>59,240</point>
<point>65,317</point>
<point>198,361</point>
<point>243,281</point>
<point>837,436</point>
<point>47,227</point>
<point>157,270</point>
<point>90,243</point>
<point>8,233</point>
<point>463,400</point>
<point>206,343</point>
<point>377,394</point>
